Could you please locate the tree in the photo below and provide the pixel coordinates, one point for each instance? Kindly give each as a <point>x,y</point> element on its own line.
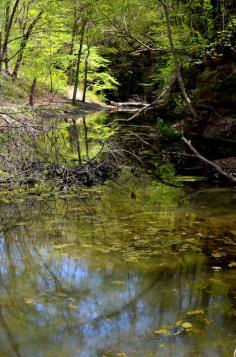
<point>79,56</point>
<point>23,44</point>
<point>10,13</point>
<point>165,6</point>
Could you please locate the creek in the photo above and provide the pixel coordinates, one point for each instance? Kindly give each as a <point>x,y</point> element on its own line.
<point>129,268</point>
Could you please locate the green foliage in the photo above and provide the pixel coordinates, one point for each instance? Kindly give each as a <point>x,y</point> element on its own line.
<point>99,78</point>
<point>166,171</point>
<point>167,130</point>
<point>118,36</point>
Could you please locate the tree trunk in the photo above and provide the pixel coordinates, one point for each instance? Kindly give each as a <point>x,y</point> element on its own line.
<point>8,26</point>
<point>216,16</point>
<point>0,51</point>
<point>72,47</point>
<point>32,92</point>
<point>77,72</point>
<point>7,19</point>
<point>23,45</point>
<point>86,138</point>
<point>86,75</point>
<point>175,57</point>
<point>77,141</point>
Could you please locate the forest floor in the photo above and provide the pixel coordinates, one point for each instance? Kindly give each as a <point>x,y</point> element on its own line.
<point>14,95</point>
<point>57,100</point>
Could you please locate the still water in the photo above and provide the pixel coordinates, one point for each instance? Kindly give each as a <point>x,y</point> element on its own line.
<point>132,268</point>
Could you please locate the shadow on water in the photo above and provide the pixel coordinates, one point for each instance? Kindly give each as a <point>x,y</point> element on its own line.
<point>133,268</point>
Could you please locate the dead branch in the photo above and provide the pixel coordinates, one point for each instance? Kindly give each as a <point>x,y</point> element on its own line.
<point>146,107</point>
<point>208,162</point>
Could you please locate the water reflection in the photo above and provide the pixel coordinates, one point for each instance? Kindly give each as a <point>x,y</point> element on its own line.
<point>99,276</point>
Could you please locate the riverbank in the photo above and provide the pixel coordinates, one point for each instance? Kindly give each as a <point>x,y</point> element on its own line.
<point>15,95</point>
<point>58,142</point>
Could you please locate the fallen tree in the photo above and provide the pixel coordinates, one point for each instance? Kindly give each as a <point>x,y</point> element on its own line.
<point>216,167</point>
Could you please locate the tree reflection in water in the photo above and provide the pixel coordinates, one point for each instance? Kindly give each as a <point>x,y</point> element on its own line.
<point>82,278</point>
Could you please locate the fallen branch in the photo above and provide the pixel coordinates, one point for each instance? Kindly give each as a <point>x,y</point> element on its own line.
<point>208,162</point>
<point>147,106</point>
<point>129,104</point>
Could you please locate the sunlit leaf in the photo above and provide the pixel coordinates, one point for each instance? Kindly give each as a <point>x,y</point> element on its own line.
<point>232,265</point>
<point>162,331</point>
<point>29,301</point>
<point>184,324</point>
<point>195,312</point>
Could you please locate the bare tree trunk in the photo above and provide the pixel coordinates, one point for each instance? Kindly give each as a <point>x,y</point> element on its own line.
<point>77,72</point>
<point>51,75</point>
<point>72,47</point>
<point>175,57</point>
<point>77,140</point>
<point>86,138</point>
<point>86,75</point>
<point>23,45</point>
<point>0,51</point>
<point>7,19</point>
<point>8,26</point>
<point>32,92</point>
